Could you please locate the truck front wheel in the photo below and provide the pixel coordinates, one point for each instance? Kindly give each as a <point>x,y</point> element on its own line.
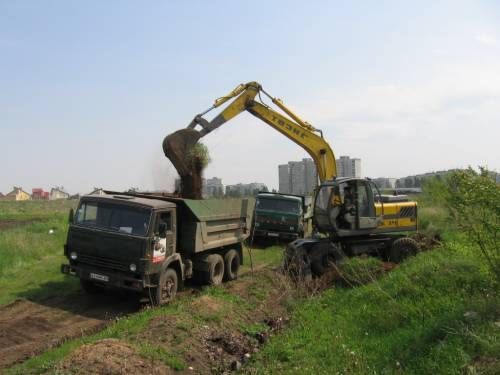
<point>167,287</point>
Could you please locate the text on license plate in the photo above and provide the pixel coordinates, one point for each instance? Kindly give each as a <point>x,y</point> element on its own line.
<point>96,276</point>
<point>271,234</point>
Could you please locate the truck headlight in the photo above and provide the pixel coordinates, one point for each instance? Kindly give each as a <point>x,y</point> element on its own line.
<point>133,267</point>
<point>257,224</point>
<point>73,255</point>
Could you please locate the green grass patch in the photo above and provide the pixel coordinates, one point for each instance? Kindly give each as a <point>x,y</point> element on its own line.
<point>25,210</point>
<point>31,255</point>
<point>410,321</point>
<point>271,256</point>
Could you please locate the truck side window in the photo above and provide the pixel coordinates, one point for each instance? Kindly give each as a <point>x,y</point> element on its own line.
<point>166,219</point>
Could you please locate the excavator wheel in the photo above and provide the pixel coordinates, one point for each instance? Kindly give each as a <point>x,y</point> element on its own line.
<point>323,258</point>
<point>403,248</point>
<point>297,262</point>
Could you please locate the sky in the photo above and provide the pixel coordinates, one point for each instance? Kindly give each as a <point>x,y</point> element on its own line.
<point>88,90</point>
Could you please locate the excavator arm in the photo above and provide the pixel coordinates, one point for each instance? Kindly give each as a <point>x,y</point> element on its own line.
<point>177,144</point>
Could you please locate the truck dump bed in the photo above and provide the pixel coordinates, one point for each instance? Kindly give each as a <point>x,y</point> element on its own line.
<point>208,224</point>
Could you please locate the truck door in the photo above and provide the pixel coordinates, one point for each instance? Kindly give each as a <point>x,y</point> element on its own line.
<point>165,231</point>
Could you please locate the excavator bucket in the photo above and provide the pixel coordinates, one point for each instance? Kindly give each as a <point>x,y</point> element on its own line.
<point>177,147</point>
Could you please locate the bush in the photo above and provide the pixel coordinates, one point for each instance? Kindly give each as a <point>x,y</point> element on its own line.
<point>472,199</point>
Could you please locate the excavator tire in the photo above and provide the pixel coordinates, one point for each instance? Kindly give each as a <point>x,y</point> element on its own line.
<point>403,248</point>
<point>322,259</point>
<point>297,262</point>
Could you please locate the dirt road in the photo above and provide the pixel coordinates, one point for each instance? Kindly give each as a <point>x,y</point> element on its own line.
<point>28,328</point>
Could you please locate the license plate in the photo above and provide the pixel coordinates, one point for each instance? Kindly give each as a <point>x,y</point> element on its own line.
<point>96,276</point>
<point>271,234</point>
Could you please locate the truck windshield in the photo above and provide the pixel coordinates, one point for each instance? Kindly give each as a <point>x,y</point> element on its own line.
<point>113,217</point>
<point>280,205</point>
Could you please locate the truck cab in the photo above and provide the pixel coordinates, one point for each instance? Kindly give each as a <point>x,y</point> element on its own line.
<point>279,216</point>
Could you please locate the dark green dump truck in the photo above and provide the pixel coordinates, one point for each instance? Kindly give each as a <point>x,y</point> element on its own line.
<point>152,243</point>
<point>279,216</point>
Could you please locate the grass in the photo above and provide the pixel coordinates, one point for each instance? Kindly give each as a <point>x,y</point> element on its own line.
<point>436,313</point>
<point>31,256</point>
<point>411,321</point>
<point>25,210</point>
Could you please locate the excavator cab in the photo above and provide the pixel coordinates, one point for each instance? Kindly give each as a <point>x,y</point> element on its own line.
<point>346,207</point>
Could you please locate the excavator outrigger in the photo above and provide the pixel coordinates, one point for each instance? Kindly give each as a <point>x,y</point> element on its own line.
<point>350,215</point>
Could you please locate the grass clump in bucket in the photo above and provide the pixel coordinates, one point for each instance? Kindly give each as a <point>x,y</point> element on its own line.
<point>198,157</point>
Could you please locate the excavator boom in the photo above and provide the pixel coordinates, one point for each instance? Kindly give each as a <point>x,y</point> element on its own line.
<point>178,144</point>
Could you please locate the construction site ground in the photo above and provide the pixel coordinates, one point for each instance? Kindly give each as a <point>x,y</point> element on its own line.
<point>260,323</point>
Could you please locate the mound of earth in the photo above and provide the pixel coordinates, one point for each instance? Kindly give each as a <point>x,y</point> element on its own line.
<point>112,357</point>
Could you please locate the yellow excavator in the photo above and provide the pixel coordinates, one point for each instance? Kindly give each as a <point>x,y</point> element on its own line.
<point>350,216</point>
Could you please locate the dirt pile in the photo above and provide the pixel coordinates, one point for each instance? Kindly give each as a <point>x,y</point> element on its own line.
<point>188,158</point>
<point>110,356</point>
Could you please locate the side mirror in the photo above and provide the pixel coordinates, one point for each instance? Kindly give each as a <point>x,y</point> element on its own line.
<point>71,216</point>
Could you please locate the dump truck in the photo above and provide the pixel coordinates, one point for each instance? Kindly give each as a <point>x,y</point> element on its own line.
<point>151,243</point>
<point>279,216</point>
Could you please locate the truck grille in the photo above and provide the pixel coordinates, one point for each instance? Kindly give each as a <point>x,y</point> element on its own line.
<point>100,262</point>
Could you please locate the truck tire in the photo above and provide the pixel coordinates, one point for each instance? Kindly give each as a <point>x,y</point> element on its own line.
<point>402,248</point>
<point>89,287</point>
<point>231,265</point>
<point>215,270</point>
<point>167,287</point>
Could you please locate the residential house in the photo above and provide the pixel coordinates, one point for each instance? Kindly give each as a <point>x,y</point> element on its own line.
<point>58,193</point>
<point>39,194</point>
<point>17,194</point>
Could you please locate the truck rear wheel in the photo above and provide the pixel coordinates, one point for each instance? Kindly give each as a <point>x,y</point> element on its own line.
<point>215,269</point>
<point>231,265</point>
<point>167,287</point>
<point>403,248</point>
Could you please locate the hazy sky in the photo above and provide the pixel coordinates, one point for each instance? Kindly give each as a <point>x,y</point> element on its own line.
<point>88,89</point>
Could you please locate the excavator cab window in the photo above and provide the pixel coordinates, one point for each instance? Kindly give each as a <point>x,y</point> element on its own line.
<point>322,204</point>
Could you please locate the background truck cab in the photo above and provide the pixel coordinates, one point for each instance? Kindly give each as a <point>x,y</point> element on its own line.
<point>279,216</point>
